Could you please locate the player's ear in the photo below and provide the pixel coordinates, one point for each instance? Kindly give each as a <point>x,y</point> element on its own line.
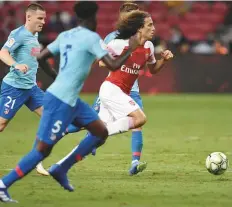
<point>28,16</point>
<point>139,32</point>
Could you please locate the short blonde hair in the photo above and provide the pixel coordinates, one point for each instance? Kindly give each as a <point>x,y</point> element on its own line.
<point>34,7</point>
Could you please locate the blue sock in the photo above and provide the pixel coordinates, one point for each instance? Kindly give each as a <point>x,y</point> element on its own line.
<point>136,144</point>
<point>72,129</point>
<point>85,147</point>
<point>35,143</point>
<point>26,165</point>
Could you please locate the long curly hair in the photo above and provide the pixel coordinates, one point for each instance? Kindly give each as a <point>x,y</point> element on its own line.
<point>130,23</point>
<point>128,6</point>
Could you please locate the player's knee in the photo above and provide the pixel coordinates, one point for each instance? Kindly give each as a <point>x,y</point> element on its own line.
<point>103,133</point>
<point>141,120</point>
<point>44,148</point>
<point>46,151</point>
<point>98,129</point>
<point>2,126</point>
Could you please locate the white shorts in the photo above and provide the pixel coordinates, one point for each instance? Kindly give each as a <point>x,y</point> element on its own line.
<point>115,104</point>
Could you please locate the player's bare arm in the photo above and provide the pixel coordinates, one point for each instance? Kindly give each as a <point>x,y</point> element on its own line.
<point>42,59</point>
<point>8,60</point>
<point>156,67</point>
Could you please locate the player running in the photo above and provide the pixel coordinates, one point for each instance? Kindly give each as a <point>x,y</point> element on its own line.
<point>19,85</point>
<point>62,104</point>
<point>117,109</point>
<point>137,135</point>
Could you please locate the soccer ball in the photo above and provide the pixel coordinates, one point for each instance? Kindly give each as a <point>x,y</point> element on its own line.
<point>217,163</point>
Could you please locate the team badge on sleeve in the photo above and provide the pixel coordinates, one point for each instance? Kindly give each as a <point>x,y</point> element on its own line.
<point>10,42</point>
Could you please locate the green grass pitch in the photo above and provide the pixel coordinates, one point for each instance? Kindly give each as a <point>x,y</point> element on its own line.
<point>181,131</point>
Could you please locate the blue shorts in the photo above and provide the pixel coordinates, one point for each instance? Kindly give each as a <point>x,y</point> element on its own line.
<point>57,115</point>
<point>133,94</point>
<point>12,99</point>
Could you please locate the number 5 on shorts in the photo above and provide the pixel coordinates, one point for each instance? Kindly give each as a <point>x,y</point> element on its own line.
<point>57,127</point>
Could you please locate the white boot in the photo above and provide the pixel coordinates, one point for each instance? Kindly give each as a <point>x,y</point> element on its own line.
<point>40,169</point>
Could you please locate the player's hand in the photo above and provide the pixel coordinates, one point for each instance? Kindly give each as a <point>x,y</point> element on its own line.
<point>167,55</point>
<point>135,41</point>
<point>22,67</point>
<point>102,64</point>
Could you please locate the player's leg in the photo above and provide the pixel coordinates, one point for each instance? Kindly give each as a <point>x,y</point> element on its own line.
<point>126,111</point>
<point>137,141</point>
<point>39,111</point>
<point>39,168</point>
<point>55,118</point>
<point>35,103</point>
<point>133,120</point>
<point>3,122</point>
<point>72,128</point>
<point>129,116</point>
<point>105,117</point>
<point>98,133</point>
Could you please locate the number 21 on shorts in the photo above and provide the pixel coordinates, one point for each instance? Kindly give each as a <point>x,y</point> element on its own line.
<point>10,103</point>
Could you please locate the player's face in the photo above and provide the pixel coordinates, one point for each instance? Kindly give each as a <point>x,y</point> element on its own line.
<point>148,30</point>
<point>37,20</point>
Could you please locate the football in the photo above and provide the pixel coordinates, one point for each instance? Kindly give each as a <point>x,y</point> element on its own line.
<point>217,163</point>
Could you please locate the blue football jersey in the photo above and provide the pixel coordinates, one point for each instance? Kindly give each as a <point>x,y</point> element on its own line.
<point>111,36</point>
<point>78,48</point>
<point>23,46</point>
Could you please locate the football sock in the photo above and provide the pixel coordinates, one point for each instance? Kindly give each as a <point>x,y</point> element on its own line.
<point>78,153</point>
<point>35,143</point>
<point>27,164</point>
<point>136,144</point>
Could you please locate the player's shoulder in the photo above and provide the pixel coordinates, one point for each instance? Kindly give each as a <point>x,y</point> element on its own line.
<point>93,35</point>
<point>64,34</point>
<point>86,34</point>
<point>148,44</point>
<point>118,45</point>
<point>18,32</point>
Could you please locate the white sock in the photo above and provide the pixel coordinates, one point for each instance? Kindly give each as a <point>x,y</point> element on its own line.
<point>61,161</point>
<point>2,185</point>
<point>120,126</point>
